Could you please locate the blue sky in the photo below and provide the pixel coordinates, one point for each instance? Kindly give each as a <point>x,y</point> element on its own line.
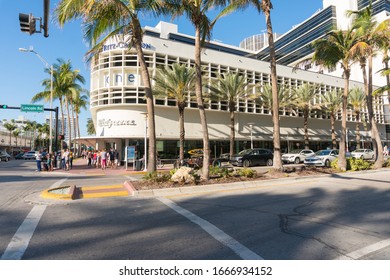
<point>22,73</point>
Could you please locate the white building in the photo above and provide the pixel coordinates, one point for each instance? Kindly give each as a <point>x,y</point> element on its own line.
<point>118,105</point>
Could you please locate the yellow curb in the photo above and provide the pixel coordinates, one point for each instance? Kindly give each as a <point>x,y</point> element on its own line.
<point>48,194</point>
<point>104,194</point>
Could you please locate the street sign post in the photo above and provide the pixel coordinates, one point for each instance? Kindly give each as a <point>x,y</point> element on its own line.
<point>31,108</point>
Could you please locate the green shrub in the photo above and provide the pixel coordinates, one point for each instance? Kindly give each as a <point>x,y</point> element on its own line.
<point>353,164</point>
<point>220,171</point>
<point>157,177</point>
<point>246,172</point>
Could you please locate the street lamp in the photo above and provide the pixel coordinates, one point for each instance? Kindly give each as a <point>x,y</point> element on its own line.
<point>51,92</point>
<point>146,141</point>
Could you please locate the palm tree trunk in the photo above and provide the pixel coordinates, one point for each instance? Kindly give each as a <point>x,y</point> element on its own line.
<point>357,130</point>
<point>78,131</point>
<point>202,112</point>
<point>232,131</point>
<point>137,37</point>
<point>182,130</point>
<point>62,116</point>
<point>74,130</point>
<point>342,162</point>
<point>277,162</point>
<point>376,139</point>
<point>305,128</point>
<point>332,122</point>
<point>69,128</point>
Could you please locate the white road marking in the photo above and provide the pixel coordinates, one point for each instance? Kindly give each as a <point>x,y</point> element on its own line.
<point>21,239</point>
<point>366,250</point>
<point>19,243</point>
<point>242,251</point>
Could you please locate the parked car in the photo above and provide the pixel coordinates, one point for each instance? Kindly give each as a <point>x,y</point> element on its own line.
<point>363,154</point>
<point>29,155</point>
<point>222,158</point>
<point>321,158</point>
<point>251,157</point>
<point>297,156</point>
<point>19,156</point>
<point>4,156</point>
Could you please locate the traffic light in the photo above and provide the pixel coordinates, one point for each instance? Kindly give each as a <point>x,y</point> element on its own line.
<point>27,23</point>
<point>4,106</point>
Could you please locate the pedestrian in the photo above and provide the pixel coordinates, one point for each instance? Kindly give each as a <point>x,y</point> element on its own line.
<point>116,159</point>
<point>112,158</point>
<point>49,162</point>
<point>70,159</point>
<point>103,155</point>
<point>89,157</point>
<point>38,158</point>
<point>385,151</point>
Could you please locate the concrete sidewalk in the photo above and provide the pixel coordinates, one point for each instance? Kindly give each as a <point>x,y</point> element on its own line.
<point>80,167</point>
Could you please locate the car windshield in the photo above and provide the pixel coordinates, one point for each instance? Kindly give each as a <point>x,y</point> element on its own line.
<point>359,151</point>
<point>295,151</point>
<point>245,152</point>
<point>323,152</point>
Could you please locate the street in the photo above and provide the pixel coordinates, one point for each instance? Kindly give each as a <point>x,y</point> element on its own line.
<point>320,218</point>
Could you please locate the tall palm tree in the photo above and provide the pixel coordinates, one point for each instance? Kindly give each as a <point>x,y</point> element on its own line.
<point>265,7</point>
<point>79,102</point>
<point>338,47</point>
<point>196,11</point>
<point>104,19</point>
<point>10,126</point>
<point>304,100</point>
<point>230,87</point>
<point>370,38</point>
<point>332,103</point>
<point>357,100</point>
<point>176,82</point>
<point>31,126</point>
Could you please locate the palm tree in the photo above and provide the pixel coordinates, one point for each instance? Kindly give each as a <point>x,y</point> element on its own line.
<point>16,133</point>
<point>90,127</point>
<point>230,87</point>
<point>338,47</point>
<point>104,19</point>
<point>176,82</point>
<point>357,100</point>
<point>79,102</point>
<point>304,100</point>
<point>196,11</point>
<point>331,103</point>
<point>31,126</point>
<point>370,38</point>
<point>264,97</point>
<point>10,126</point>
<point>265,6</point>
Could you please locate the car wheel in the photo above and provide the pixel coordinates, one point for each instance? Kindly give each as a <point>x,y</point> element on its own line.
<point>270,162</point>
<point>297,160</point>
<point>246,163</point>
<point>217,163</point>
<point>327,163</point>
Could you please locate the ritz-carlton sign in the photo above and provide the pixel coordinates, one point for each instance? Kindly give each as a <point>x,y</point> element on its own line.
<point>123,45</point>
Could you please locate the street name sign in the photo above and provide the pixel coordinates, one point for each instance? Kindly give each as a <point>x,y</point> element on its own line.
<point>31,108</point>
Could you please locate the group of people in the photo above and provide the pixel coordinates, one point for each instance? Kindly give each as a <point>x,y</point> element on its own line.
<point>66,159</point>
<point>45,158</point>
<point>102,158</point>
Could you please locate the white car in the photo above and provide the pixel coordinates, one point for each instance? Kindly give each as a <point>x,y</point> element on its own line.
<point>363,154</point>
<point>29,155</point>
<point>322,158</point>
<point>297,156</point>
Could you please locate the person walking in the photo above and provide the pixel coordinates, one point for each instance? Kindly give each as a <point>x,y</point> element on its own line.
<point>103,155</point>
<point>70,159</point>
<point>38,158</point>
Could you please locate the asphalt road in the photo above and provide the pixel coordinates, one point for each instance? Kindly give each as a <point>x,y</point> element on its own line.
<point>319,218</point>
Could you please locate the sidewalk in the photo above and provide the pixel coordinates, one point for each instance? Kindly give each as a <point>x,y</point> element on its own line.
<point>80,166</point>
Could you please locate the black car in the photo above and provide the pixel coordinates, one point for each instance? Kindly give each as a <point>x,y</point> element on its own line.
<point>251,157</point>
